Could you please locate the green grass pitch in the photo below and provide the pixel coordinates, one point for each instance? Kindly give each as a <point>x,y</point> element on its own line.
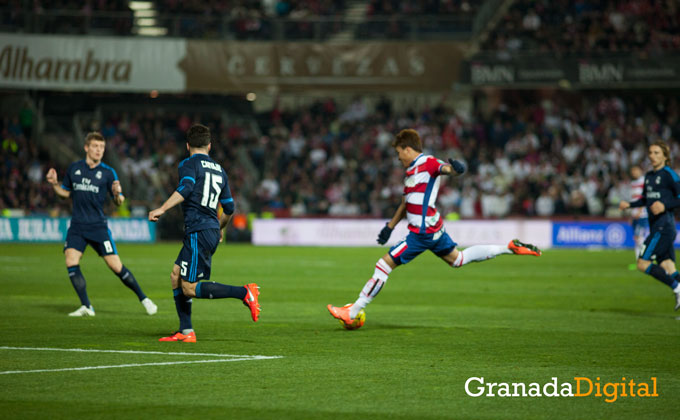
<point>513,319</point>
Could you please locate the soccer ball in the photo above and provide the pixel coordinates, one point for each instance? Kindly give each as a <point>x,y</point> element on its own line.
<point>357,323</point>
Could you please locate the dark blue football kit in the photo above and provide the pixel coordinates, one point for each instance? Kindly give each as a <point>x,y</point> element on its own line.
<point>90,188</point>
<point>203,183</point>
<point>664,186</point>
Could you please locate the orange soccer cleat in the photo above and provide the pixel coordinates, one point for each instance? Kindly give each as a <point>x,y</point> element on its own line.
<point>178,336</point>
<point>521,248</point>
<point>252,292</point>
<point>341,313</point>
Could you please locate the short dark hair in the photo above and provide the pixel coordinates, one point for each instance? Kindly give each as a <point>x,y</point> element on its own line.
<point>664,149</point>
<point>95,135</point>
<point>408,138</point>
<point>198,135</point>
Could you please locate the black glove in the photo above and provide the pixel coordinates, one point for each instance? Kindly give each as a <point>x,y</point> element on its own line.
<point>384,235</point>
<point>457,166</point>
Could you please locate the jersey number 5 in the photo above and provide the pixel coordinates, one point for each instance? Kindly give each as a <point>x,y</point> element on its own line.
<point>210,198</point>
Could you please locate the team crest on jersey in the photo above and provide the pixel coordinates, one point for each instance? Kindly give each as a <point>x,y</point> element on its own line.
<point>658,180</point>
<point>99,175</point>
<point>77,172</point>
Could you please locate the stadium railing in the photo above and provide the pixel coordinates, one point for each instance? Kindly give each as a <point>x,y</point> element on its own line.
<point>421,27</point>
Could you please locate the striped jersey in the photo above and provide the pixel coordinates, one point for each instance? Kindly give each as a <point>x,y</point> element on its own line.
<point>636,187</point>
<point>421,187</point>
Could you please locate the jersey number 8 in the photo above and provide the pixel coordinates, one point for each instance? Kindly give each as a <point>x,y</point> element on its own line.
<point>210,199</point>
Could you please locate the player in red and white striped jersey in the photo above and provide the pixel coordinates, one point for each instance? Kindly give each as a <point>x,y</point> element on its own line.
<point>421,186</point>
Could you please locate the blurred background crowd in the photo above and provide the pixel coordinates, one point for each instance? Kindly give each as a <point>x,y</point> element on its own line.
<point>587,26</point>
<point>543,152</point>
<point>563,155</point>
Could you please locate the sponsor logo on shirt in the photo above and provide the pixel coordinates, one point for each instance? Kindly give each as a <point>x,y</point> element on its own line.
<point>86,185</point>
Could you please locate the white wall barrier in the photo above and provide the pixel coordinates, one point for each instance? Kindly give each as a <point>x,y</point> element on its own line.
<point>363,232</point>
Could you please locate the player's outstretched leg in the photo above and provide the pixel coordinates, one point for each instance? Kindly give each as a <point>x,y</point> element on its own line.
<point>248,294</point>
<point>478,253</point>
<point>79,285</point>
<point>371,289</point>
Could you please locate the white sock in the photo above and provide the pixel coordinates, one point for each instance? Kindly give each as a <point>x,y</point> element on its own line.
<point>372,287</point>
<point>638,246</point>
<point>677,289</point>
<point>479,253</point>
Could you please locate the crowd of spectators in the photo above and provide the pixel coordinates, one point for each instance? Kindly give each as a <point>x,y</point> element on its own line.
<point>148,146</point>
<point>251,19</point>
<point>23,164</point>
<point>420,7</point>
<point>394,19</point>
<point>144,147</point>
<point>527,155</point>
<point>588,27</point>
<point>67,16</point>
<point>242,19</point>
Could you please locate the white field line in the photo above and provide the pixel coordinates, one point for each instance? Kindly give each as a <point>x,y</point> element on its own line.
<point>233,358</point>
<point>7,372</point>
<point>171,353</point>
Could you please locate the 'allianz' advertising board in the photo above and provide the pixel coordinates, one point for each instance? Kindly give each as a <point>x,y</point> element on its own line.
<point>594,234</point>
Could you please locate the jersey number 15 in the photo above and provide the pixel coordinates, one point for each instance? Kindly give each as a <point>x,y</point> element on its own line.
<point>210,198</point>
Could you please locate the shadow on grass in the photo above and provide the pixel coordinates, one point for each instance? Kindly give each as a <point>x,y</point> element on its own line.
<point>632,312</point>
<point>62,308</point>
<point>202,338</point>
<point>383,326</point>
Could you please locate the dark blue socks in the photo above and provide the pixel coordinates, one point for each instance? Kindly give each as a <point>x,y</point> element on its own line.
<point>78,282</point>
<point>660,274</point>
<point>676,278</point>
<point>183,306</point>
<point>129,280</point>
<point>212,290</point>
<point>204,290</point>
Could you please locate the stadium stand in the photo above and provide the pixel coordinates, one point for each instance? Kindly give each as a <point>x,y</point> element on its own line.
<point>305,19</point>
<point>246,20</point>
<point>531,153</point>
<point>587,27</point>
<point>527,156</point>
